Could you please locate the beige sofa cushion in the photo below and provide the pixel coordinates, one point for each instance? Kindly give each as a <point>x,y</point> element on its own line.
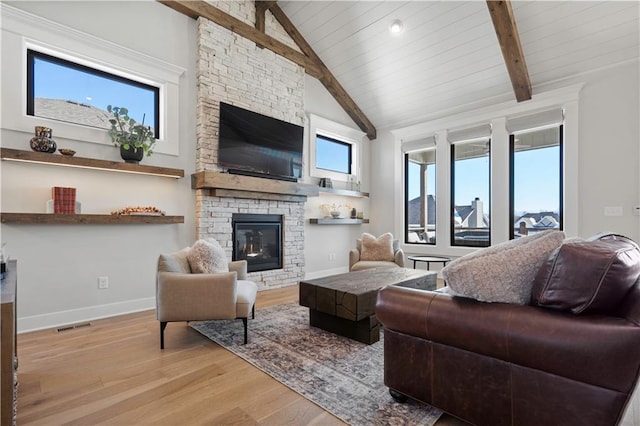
<point>504,272</point>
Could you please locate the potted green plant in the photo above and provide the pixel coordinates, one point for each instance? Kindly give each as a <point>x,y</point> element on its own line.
<point>134,139</point>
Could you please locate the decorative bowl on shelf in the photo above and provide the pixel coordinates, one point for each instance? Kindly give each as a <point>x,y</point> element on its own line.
<point>335,214</point>
<point>67,152</point>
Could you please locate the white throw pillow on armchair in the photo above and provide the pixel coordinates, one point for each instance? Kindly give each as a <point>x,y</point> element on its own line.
<point>207,257</point>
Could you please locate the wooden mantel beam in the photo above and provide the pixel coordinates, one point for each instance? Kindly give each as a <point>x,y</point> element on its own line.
<point>507,32</point>
<point>308,60</point>
<point>326,78</point>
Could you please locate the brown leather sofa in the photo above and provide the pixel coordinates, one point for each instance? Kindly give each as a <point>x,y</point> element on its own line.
<point>506,364</point>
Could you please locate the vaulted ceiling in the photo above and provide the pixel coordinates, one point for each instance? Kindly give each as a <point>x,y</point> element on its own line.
<point>448,55</point>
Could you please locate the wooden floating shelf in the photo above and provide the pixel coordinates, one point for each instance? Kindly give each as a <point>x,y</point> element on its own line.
<point>331,221</point>
<point>87,163</point>
<point>346,192</point>
<point>218,180</point>
<point>86,219</point>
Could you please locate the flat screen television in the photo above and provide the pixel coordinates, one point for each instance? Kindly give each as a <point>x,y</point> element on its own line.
<point>256,145</point>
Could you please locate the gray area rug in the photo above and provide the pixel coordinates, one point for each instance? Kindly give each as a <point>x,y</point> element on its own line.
<point>341,375</point>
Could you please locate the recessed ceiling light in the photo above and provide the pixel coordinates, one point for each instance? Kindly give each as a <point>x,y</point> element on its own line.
<point>396,27</point>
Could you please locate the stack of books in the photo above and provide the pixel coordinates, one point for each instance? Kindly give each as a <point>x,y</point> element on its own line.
<point>64,200</point>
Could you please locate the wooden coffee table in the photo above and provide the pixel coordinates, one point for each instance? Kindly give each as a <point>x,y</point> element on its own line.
<point>344,304</point>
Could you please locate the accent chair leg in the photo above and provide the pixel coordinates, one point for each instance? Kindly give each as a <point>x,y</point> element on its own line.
<point>244,321</point>
<point>163,325</point>
<point>253,312</point>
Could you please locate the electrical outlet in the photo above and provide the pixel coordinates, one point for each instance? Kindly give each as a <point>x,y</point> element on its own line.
<point>103,282</point>
<point>332,256</point>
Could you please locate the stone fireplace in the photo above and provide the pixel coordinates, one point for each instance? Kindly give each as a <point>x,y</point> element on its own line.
<point>234,70</point>
<point>216,220</point>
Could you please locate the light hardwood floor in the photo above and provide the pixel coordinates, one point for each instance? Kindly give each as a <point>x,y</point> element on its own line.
<point>114,372</point>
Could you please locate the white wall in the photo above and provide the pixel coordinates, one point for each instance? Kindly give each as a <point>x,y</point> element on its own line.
<point>321,241</point>
<point>58,265</point>
<point>607,161</point>
<point>609,150</point>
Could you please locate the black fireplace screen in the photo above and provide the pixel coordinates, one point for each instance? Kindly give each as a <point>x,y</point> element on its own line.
<point>257,238</point>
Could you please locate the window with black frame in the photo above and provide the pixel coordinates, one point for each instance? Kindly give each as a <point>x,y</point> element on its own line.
<point>63,90</point>
<point>420,196</point>
<point>470,186</point>
<point>536,178</point>
<point>333,155</point>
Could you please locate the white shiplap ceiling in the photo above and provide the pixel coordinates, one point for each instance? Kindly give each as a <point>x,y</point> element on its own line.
<point>448,55</point>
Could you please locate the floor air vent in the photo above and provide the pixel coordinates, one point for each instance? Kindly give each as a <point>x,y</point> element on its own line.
<point>73,327</point>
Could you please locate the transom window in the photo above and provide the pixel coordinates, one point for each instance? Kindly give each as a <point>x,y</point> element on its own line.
<point>62,90</point>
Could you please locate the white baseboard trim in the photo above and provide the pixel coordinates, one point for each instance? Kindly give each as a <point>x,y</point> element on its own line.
<point>325,273</point>
<point>56,319</point>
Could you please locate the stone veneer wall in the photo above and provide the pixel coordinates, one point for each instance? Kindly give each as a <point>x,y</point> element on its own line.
<point>234,70</point>
<point>215,222</point>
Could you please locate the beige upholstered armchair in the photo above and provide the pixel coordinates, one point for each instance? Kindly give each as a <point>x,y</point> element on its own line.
<point>372,252</point>
<point>185,296</point>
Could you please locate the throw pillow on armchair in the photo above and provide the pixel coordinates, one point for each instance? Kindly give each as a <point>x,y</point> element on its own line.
<point>380,249</point>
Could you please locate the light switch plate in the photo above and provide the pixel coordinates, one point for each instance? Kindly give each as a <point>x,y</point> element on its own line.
<point>613,211</point>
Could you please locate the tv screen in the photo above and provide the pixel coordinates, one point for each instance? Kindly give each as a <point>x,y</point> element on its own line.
<point>257,145</point>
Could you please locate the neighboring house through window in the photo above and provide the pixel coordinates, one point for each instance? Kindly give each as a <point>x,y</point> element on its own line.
<point>502,172</point>
<point>420,193</point>
<point>535,150</point>
<point>64,90</point>
<point>470,186</point>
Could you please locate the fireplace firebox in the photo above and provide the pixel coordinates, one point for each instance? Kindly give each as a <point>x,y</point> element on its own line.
<point>257,238</point>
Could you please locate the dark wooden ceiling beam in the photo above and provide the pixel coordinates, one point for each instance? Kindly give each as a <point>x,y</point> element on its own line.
<point>196,9</point>
<point>326,77</point>
<point>261,12</point>
<point>308,59</point>
<point>507,32</point>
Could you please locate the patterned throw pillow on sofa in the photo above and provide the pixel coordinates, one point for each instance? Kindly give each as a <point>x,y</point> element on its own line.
<point>504,272</point>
